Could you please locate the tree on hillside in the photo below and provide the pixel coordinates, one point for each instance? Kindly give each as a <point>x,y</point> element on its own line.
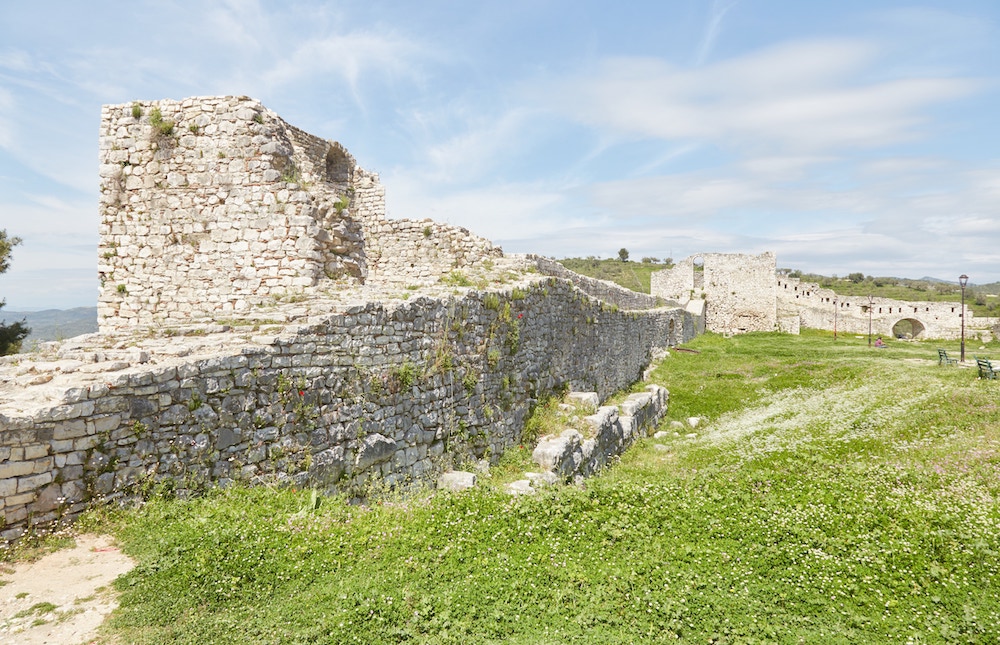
<point>10,335</point>
<point>623,254</point>
<point>856,278</point>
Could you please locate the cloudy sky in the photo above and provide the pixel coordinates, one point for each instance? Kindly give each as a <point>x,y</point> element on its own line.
<point>845,135</point>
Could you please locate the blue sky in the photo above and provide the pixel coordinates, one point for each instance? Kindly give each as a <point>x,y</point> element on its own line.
<point>842,135</point>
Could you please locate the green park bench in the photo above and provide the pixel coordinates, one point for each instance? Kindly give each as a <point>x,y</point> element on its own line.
<point>986,369</point>
<point>944,360</point>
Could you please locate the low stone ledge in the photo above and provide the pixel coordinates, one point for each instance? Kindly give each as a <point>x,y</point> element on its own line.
<point>569,456</point>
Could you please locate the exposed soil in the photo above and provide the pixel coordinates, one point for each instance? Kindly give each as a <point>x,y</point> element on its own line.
<point>63,597</point>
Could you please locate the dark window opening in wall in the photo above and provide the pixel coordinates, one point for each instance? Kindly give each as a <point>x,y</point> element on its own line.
<point>698,270</point>
<point>880,309</point>
<point>338,165</point>
<point>952,310</point>
<point>927,308</point>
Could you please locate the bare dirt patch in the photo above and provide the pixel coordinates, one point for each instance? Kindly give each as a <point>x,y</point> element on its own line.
<point>64,596</point>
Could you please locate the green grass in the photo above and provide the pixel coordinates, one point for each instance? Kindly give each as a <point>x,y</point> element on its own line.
<point>833,494</point>
<point>631,275</point>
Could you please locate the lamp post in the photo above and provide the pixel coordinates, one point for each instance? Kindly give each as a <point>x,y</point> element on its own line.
<point>963,280</point>
<point>871,303</point>
<point>835,319</point>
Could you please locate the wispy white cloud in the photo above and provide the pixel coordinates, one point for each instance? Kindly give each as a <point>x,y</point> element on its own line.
<point>800,96</point>
<point>348,56</point>
<point>718,12</point>
<point>6,118</point>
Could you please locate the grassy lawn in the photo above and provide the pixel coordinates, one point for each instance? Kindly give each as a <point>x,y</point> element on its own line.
<point>831,494</point>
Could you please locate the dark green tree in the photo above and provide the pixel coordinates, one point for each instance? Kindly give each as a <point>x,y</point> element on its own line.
<point>623,255</point>
<point>856,278</point>
<point>10,335</point>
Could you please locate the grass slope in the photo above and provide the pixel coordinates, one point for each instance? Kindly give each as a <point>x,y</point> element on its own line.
<point>833,494</point>
<point>631,275</point>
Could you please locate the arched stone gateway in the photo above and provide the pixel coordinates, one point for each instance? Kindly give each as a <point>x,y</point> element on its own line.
<point>907,328</point>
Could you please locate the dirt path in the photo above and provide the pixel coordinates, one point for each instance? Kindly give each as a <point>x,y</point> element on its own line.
<point>63,597</point>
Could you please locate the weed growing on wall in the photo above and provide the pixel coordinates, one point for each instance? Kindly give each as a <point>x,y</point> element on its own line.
<point>161,127</point>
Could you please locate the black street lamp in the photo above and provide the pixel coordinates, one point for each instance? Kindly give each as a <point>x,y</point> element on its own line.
<point>835,319</point>
<point>871,303</point>
<point>963,280</point>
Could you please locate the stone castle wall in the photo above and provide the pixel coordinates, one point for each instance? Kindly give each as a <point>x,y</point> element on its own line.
<point>814,307</point>
<point>214,206</point>
<point>739,290</point>
<point>205,211</point>
<point>261,320</point>
<point>369,395</point>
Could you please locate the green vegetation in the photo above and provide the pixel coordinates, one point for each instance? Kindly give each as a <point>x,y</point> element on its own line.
<point>136,110</point>
<point>631,275</point>
<point>161,127</point>
<point>13,334</point>
<point>456,278</point>
<point>832,494</point>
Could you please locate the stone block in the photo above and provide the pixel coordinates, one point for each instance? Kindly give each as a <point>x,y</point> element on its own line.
<point>16,469</point>
<point>456,481</point>
<point>374,449</point>
<point>32,482</point>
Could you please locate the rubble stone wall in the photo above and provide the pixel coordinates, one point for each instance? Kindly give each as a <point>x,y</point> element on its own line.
<point>739,290</point>
<point>370,396</point>
<point>215,206</point>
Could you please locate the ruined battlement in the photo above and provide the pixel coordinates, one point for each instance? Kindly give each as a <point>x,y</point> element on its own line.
<point>262,321</point>
<point>215,206</point>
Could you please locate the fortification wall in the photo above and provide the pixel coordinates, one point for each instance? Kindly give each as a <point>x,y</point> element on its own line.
<point>739,290</point>
<point>370,395</point>
<point>815,306</point>
<point>215,206</point>
<point>421,251</point>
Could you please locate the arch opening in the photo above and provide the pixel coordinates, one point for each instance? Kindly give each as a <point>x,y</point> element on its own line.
<point>908,328</point>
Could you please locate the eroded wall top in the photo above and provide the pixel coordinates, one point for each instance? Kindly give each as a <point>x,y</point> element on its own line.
<point>214,206</point>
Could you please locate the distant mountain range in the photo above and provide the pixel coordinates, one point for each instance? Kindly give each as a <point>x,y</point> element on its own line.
<point>53,324</point>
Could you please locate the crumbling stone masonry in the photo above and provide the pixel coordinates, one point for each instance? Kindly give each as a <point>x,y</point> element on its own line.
<point>739,290</point>
<point>264,330</point>
<point>215,206</point>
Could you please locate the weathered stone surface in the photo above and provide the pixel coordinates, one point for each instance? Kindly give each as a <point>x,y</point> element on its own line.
<point>328,466</point>
<point>374,450</point>
<point>520,487</point>
<point>571,457</point>
<point>265,329</point>
<point>456,481</point>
